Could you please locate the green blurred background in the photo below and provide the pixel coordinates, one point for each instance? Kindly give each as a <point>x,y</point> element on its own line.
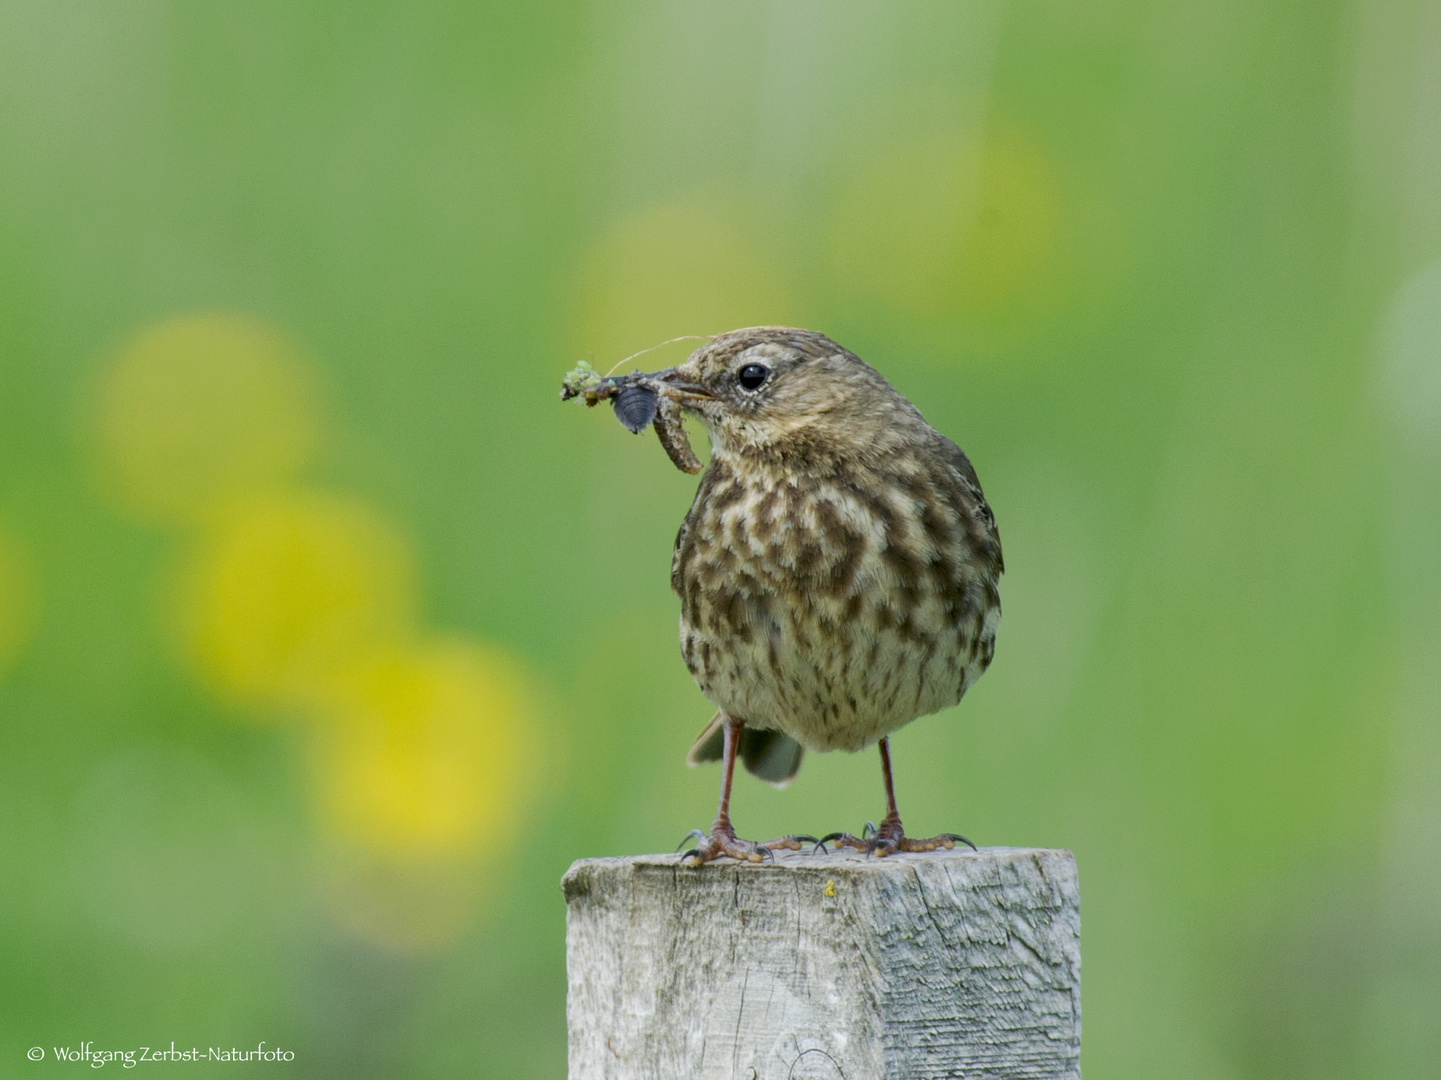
<point>329,637</point>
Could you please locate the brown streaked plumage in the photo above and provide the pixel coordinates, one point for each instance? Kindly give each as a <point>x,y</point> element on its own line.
<point>837,570</point>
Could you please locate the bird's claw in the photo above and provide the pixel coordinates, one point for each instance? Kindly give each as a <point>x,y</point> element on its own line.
<point>957,838</point>
<point>902,842</point>
<point>888,839</point>
<point>722,841</point>
<point>845,839</point>
<point>694,834</point>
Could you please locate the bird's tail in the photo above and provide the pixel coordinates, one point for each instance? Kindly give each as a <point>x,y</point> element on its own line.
<point>770,755</point>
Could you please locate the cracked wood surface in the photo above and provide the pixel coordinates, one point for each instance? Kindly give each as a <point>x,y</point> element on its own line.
<point>943,964</point>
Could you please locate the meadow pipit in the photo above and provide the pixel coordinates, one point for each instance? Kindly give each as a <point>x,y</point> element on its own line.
<point>837,571</point>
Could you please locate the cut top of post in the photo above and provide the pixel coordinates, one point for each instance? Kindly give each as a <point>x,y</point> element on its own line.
<point>948,963</point>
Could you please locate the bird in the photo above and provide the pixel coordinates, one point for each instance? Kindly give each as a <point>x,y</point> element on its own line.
<point>838,570</point>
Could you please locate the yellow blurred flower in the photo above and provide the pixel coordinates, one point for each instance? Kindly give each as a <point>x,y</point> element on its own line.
<point>201,408</point>
<point>297,601</point>
<point>283,591</point>
<point>940,225</point>
<point>427,752</point>
<point>671,270</point>
<point>423,766</point>
<point>16,600</point>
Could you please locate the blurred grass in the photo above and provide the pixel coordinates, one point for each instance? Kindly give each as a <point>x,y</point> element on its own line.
<point>1162,270</point>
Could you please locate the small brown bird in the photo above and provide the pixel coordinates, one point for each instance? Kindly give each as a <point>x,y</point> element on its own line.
<point>837,570</point>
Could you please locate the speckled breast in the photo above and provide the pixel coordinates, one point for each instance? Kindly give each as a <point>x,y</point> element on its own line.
<point>836,609</point>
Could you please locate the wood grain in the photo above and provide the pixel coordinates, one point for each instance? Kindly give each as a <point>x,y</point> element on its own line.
<point>944,964</point>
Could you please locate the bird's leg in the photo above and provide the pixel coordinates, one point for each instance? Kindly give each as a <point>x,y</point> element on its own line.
<point>722,839</point>
<point>890,837</point>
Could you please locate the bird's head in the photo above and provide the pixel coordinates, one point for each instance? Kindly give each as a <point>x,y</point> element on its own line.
<point>766,389</point>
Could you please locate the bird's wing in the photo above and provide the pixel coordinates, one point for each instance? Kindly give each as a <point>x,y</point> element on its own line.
<point>970,483</point>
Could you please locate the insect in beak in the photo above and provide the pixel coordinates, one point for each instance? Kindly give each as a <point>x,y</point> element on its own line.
<point>636,397</point>
<point>636,406</point>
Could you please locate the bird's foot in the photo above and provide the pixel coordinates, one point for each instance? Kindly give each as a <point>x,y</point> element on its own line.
<point>722,841</point>
<point>889,839</point>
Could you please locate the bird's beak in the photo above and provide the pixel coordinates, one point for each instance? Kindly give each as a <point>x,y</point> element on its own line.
<point>680,385</point>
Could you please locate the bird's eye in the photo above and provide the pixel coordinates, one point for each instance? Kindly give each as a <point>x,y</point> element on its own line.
<point>753,376</point>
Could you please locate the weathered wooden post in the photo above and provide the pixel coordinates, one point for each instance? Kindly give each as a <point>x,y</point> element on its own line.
<point>913,967</point>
